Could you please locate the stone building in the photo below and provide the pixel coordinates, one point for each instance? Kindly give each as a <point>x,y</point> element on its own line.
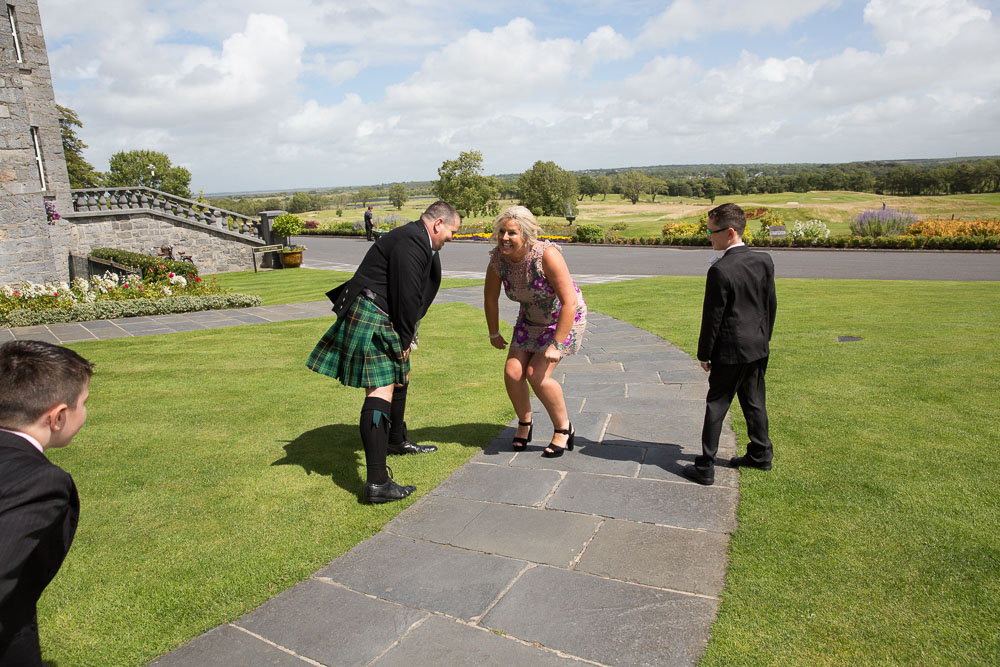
<point>33,172</point>
<point>32,164</point>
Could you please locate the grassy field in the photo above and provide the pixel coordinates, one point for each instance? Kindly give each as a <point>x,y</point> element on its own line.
<point>647,218</point>
<point>298,285</point>
<point>212,478</point>
<point>876,538</point>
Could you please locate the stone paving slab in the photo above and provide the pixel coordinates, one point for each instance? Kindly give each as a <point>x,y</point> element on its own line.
<point>667,463</point>
<point>588,456</point>
<point>683,504</point>
<point>668,430</point>
<point>500,484</point>
<point>682,560</point>
<point>611,622</point>
<point>226,646</point>
<point>529,534</point>
<point>444,642</point>
<point>420,574</point>
<point>330,624</point>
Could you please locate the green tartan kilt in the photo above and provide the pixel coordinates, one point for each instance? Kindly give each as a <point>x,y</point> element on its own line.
<point>361,349</point>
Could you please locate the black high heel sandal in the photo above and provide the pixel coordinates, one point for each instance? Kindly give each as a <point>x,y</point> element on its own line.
<point>520,444</point>
<point>554,451</point>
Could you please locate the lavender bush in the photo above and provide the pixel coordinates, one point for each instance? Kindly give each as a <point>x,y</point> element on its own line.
<point>882,222</point>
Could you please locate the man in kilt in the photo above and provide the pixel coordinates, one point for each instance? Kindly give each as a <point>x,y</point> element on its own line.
<point>368,346</point>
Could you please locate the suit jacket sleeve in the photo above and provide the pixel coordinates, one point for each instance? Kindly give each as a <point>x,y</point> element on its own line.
<point>37,524</point>
<point>408,266</point>
<point>712,313</point>
<point>772,301</point>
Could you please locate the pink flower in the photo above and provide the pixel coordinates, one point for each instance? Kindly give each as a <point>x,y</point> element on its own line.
<point>171,275</point>
<point>125,285</point>
<point>197,279</point>
<point>55,294</point>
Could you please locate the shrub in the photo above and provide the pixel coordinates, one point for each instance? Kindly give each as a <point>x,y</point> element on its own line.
<point>152,267</point>
<point>589,234</point>
<point>811,229</point>
<point>680,229</point>
<point>310,224</point>
<point>106,310</point>
<point>936,227</point>
<point>882,222</point>
<point>286,224</point>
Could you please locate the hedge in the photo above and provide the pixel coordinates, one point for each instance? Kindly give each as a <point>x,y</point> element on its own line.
<point>107,310</point>
<point>145,263</point>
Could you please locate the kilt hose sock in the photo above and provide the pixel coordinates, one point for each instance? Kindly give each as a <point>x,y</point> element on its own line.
<point>375,437</point>
<point>397,427</point>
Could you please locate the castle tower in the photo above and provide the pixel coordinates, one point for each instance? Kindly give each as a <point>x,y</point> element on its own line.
<point>32,164</point>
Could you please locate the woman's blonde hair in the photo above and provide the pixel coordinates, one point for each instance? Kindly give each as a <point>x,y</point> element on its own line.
<point>524,219</point>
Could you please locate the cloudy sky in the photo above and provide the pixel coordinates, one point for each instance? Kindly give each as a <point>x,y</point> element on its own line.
<point>254,95</point>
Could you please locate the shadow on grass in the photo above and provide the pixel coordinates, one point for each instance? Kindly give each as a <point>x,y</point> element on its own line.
<point>335,450</point>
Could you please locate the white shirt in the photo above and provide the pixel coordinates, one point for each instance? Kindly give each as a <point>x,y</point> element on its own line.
<point>27,437</point>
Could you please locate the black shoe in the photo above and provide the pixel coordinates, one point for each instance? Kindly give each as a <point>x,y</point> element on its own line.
<point>408,447</point>
<point>554,451</point>
<point>697,475</point>
<point>386,493</point>
<point>520,444</point>
<point>747,462</point>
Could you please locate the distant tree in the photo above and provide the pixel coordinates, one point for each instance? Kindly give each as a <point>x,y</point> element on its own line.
<point>147,168</point>
<point>712,188</point>
<point>300,203</point>
<point>398,195</point>
<point>364,196</point>
<point>587,185</point>
<point>834,179</point>
<point>861,180</point>
<point>736,181</point>
<point>548,189</point>
<point>81,173</point>
<point>632,184</point>
<point>656,186</point>
<point>603,185</point>
<point>461,184</point>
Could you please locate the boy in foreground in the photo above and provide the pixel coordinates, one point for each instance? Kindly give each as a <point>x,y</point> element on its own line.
<point>42,406</point>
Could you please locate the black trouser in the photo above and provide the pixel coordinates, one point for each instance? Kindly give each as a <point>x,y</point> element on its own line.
<point>368,231</point>
<point>745,381</point>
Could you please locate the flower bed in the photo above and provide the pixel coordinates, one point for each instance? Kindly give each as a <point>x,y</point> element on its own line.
<point>108,296</point>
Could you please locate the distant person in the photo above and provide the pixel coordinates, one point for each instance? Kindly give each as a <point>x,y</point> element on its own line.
<point>42,406</point>
<point>550,324</point>
<point>736,324</point>
<point>369,344</point>
<point>369,224</point>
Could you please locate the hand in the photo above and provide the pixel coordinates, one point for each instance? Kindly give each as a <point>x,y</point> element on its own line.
<point>406,354</point>
<point>499,342</point>
<point>552,354</point>
<point>707,365</point>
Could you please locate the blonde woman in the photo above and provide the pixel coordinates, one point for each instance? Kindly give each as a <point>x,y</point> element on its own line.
<point>549,326</point>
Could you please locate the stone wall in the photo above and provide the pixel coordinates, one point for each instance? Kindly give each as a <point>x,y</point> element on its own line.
<point>26,101</point>
<point>214,249</point>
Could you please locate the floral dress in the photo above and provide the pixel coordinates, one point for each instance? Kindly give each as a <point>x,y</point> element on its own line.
<point>524,281</point>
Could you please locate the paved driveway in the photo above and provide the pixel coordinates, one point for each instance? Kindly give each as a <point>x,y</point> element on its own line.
<point>465,256</point>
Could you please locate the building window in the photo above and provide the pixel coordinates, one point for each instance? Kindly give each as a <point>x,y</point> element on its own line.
<point>38,157</point>
<point>13,31</point>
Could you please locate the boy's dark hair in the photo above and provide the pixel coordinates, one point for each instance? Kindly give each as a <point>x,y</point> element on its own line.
<point>729,216</point>
<point>36,376</point>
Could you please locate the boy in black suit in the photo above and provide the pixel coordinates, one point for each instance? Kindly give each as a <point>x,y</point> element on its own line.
<point>42,406</point>
<point>736,324</point>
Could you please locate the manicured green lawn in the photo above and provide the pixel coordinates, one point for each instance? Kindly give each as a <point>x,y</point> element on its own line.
<point>876,537</point>
<point>299,285</point>
<point>215,471</point>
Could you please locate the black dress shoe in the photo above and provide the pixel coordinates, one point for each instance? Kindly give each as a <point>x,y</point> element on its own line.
<point>747,462</point>
<point>408,447</point>
<point>696,475</point>
<point>386,493</point>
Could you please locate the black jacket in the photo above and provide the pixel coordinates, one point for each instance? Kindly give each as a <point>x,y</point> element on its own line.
<point>39,510</point>
<point>403,273</point>
<point>740,304</point>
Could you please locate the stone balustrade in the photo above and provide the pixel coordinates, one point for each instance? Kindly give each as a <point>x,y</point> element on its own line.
<point>100,200</point>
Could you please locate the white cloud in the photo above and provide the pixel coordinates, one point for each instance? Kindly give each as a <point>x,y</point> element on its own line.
<point>695,19</point>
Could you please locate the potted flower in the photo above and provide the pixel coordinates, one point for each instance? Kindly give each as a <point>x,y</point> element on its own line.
<point>285,226</point>
<point>291,255</point>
